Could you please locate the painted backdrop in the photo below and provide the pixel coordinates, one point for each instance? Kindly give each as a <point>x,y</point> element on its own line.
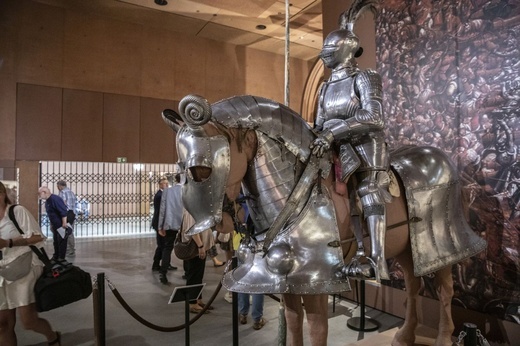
<point>451,73</point>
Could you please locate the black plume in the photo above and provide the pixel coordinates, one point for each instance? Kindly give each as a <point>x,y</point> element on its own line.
<point>355,11</point>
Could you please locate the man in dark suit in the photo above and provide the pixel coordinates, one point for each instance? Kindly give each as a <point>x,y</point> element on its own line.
<point>57,212</point>
<point>159,251</point>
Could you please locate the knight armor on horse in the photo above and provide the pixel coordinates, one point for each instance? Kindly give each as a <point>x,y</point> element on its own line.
<point>304,225</point>
<point>350,114</point>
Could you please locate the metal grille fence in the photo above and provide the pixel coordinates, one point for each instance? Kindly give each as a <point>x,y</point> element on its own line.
<point>112,198</point>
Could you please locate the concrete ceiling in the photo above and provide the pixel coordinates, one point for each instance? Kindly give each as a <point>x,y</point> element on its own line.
<point>238,21</point>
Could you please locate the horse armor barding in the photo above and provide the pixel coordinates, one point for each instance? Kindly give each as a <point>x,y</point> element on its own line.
<point>299,254</point>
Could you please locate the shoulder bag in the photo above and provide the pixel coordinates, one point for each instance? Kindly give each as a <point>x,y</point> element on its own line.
<point>185,251</point>
<point>17,268</point>
<point>61,283</point>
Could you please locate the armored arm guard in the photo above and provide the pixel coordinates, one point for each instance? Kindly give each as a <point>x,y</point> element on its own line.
<point>320,117</point>
<point>368,118</point>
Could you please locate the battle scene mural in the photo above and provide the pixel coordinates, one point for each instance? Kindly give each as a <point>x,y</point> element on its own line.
<point>451,74</point>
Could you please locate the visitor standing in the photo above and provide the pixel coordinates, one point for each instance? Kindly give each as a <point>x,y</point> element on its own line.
<point>159,250</point>
<point>70,201</point>
<point>57,214</point>
<point>170,220</point>
<point>17,296</point>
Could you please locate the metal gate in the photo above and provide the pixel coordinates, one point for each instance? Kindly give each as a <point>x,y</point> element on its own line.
<point>112,198</point>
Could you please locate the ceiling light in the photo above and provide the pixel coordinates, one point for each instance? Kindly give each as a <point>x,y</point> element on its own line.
<point>260,27</point>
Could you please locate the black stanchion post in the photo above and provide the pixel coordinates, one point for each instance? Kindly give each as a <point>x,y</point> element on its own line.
<point>186,294</point>
<point>362,323</point>
<point>234,263</point>
<point>101,309</point>
<point>471,334</point>
<point>187,319</point>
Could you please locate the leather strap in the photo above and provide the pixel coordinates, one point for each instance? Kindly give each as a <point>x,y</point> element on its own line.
<point>42,255</point>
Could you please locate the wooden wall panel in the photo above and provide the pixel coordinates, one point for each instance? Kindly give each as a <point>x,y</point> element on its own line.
<point>40,44</point>
<point>123,57</point>
<point>28,185</point>
<point>10,24</point>
<point>47,43</point>
<point>7,117</point>
<point>264,75</point>
<point>190,72</point>
<point>84,54</point>
<point>158,68</point>
<point>82,125</point>
<point>220,63</point>
<point>121,127</point>
<point>157,140</point>
<point>38,122</point>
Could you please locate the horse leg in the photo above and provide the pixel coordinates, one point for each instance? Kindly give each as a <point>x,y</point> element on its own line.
<point>294,318</point>
<point>316,308</point>
<point>444,285</point>
<point>405,336</point>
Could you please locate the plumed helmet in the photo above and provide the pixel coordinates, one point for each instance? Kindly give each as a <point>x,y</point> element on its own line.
<point>341,45</point>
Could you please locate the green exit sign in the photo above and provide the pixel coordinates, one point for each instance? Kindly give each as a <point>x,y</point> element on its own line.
<point>121,159</point>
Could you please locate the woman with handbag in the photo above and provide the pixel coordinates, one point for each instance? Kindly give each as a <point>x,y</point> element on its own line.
<point>19,270</point>
<point>195,266</point>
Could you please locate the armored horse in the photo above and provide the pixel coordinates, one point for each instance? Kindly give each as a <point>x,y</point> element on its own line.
<point>305,234</point>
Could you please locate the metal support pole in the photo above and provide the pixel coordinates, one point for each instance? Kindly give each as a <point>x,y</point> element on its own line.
<point>471,334</point>
<point>101,309</point>
<point>362,323</point>
<point>234,263</point>
<point>287,44</point>
<point>187,318</point>
<point>282,324</point>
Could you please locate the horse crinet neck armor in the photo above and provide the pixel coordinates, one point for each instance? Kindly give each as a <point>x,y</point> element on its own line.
<point>350,114</point>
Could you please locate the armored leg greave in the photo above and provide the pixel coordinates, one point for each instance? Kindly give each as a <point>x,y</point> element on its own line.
<point>377,228</point>
<point>373,201</point>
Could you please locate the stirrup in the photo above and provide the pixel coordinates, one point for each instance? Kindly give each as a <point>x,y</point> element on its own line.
<point>361,267</point>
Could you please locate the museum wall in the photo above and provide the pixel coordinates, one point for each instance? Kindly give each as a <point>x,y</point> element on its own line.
<point>84,86</point>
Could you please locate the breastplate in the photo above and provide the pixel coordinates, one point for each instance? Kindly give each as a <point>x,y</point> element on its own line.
<point>339,99</point>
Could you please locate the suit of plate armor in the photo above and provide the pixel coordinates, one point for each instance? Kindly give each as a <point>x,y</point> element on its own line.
<point>350,114</point>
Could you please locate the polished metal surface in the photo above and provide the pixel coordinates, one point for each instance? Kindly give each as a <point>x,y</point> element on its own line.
<point>213,153</point>
<point>269,117</point>
<point>443,237</point>
<point>269,181</point>
<point>299,261</point>
<point>350,113</point>
<point>298,250</point>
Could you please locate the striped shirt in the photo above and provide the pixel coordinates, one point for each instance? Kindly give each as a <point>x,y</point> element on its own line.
<point>69,198</point>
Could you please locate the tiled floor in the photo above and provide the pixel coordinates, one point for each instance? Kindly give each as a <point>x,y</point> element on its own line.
<point>126,262</point>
